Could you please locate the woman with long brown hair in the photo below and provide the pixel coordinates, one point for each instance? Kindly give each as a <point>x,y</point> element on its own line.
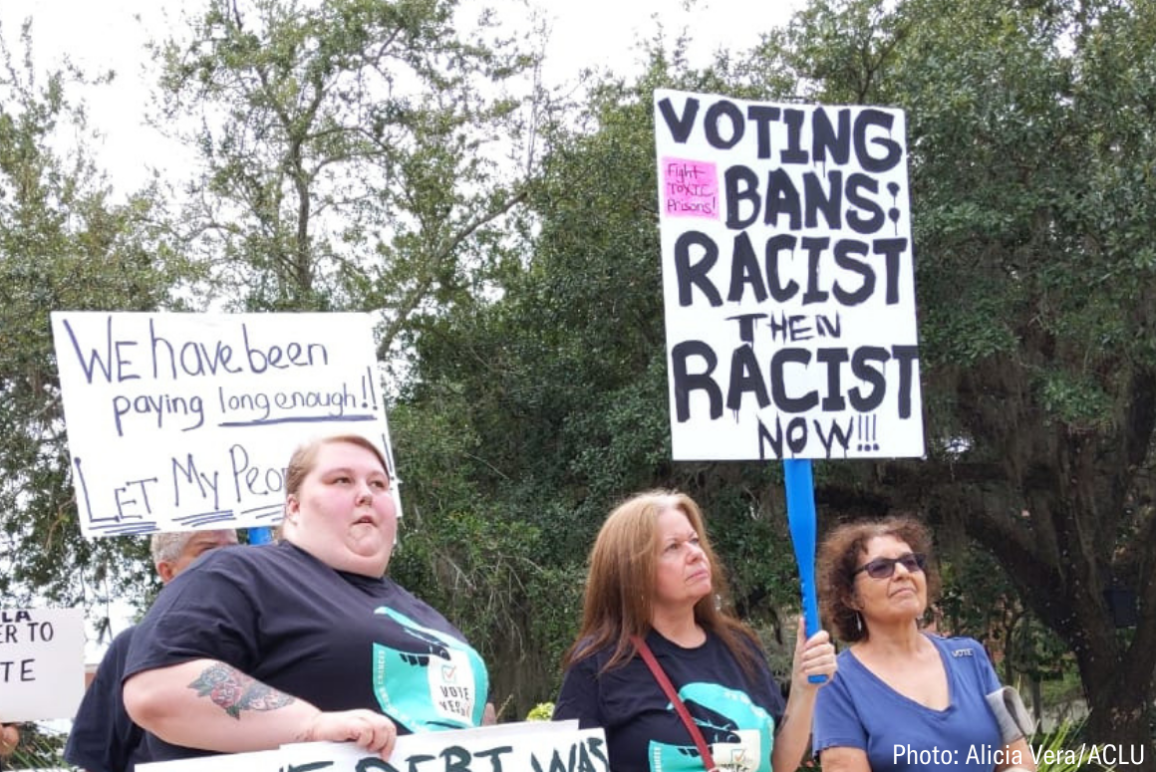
<point>655,584</point>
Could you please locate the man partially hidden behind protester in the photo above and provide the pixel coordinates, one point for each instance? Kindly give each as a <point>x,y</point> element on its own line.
<point>103,737</point>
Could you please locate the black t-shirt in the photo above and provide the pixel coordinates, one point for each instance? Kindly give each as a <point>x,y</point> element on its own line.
<point>736,714</point>
<point>337,640</point>
<point>103,738</point>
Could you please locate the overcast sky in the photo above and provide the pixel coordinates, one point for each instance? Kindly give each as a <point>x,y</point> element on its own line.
<point>100,35</point>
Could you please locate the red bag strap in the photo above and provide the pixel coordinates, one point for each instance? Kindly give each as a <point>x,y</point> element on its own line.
<point>672,695</point>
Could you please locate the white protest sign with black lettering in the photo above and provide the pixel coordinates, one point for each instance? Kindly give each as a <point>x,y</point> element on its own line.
<point>532,746</point>
<point>186,421</point>
<point>41,663</point>
<point>788,280</point>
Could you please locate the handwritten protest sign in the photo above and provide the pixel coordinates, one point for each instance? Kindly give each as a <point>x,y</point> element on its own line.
<point>186,421</point>
<point>788,280</point>
<point>541,746</point>
<point>41,663</point>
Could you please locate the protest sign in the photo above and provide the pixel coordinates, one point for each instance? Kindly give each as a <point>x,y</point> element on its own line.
<point>526,747</point>
<point>540,746</point>
<point>41,663</point>
<point>788,280</point>
<point>185,421</point>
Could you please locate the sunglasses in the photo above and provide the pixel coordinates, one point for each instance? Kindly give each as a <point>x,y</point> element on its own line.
<point>883,568</point>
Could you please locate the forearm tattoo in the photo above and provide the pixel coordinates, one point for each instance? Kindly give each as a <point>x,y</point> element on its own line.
<point>234,691</point>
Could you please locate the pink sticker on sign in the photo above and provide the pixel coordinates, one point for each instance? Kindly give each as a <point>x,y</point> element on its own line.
<point>690,188</point>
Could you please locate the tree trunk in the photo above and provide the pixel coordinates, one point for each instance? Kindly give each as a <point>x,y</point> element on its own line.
<point>1037,702</point>
<point>1060,556</point>
<point>1120,715</point>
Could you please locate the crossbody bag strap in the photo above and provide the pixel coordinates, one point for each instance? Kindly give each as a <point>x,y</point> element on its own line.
<point>672,695</point>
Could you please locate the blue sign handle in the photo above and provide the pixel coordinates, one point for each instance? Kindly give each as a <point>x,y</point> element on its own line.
<point>262,535</point>
<point>800,486</point>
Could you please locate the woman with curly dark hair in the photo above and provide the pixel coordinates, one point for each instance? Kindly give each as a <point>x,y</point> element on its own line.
<point>904,698</point>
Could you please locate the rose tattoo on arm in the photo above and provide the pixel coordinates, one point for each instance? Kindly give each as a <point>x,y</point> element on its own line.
<point>234,691</point>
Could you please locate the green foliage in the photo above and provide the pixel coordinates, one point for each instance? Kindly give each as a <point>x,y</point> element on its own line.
<point>64,244</point>
<point>979,601</point>
<point>347,157</point>
<point>552,396</point>
<point>1029,129</point>
<point>38,749</point>
<point>1065,749</point>
<point>543,711</point>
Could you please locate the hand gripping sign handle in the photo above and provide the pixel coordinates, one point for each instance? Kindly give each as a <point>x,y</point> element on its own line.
<point>801,518</point>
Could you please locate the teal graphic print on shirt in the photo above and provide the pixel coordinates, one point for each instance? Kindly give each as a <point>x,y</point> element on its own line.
<point>739,732</point>
<point>432,681</point>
